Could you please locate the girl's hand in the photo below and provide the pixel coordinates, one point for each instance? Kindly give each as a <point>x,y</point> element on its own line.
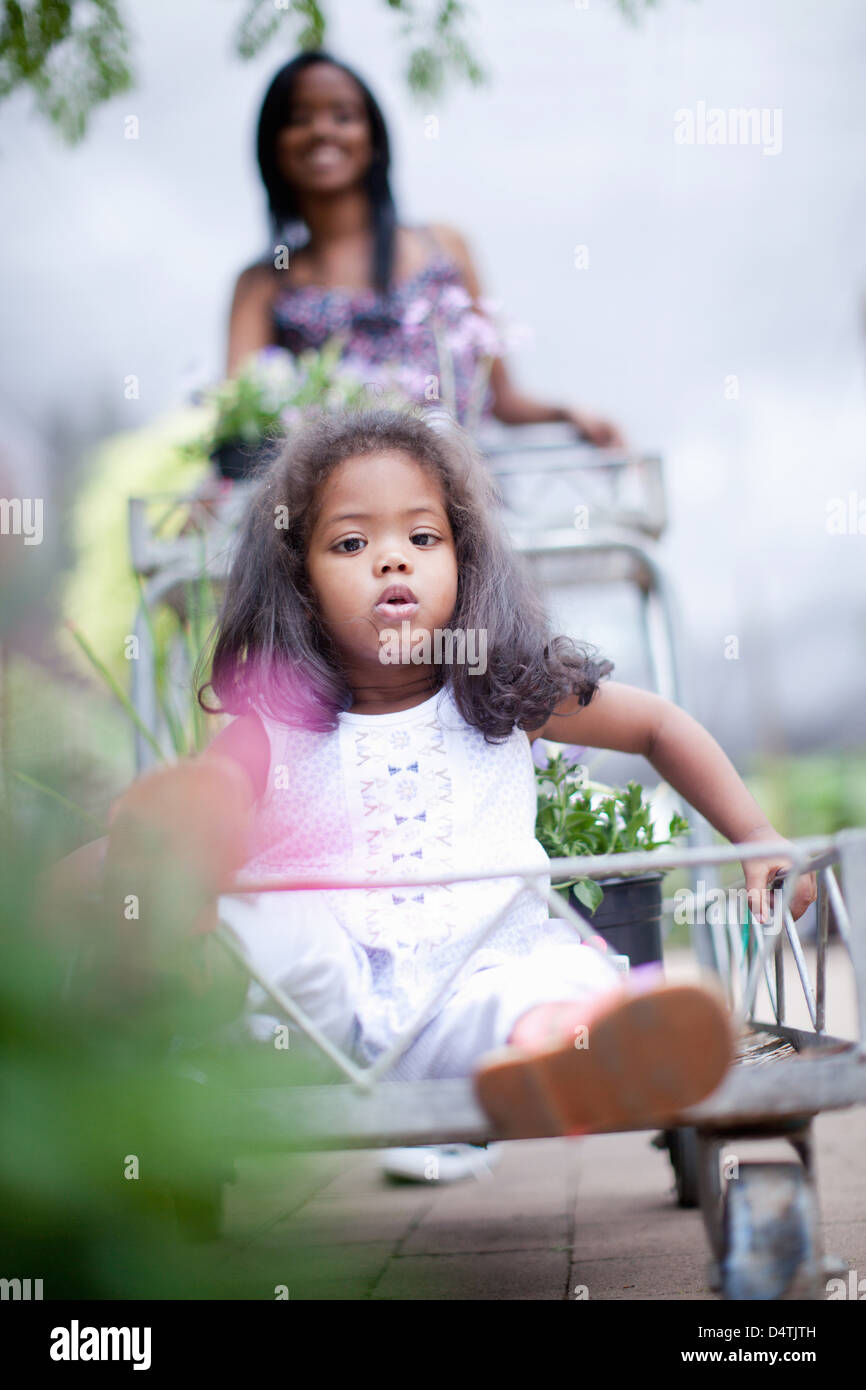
<point>594,430</point>
<point>760,873</point>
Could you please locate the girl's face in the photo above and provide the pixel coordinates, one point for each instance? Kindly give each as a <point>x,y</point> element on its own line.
<point>382,523</point>
<point>326,142</point>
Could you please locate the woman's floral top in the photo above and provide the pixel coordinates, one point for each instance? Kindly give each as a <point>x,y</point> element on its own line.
<point>424,337</point>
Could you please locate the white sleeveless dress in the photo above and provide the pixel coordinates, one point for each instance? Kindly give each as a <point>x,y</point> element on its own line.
<point>419,790</point>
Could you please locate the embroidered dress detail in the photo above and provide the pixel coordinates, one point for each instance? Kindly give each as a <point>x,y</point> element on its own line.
<point>418,791</point>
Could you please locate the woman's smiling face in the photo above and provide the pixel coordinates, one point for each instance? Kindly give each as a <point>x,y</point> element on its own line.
<point>381,524</point>
<point>326,142</point>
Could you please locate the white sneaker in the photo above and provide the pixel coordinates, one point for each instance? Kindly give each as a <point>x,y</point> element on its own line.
<point>441,1162</point>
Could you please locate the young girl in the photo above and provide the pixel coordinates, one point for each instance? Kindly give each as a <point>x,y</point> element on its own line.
<point>389,665</point>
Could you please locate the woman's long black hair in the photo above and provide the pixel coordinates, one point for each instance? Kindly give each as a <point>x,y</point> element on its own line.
<point>285,216</point>
<point>273,654</point>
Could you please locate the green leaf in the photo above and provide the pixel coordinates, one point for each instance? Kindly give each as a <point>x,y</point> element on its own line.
<point>589,893</point>
<point>575,816</point>
<point>56,796</point>
<point>115,689</point>
<point>175,727</point>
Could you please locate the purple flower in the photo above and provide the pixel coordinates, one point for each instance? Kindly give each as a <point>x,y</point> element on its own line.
<point>454,297</point>
<point>416,312</point>
<point>486,337</point>
<point>539,754</point>
<point>572,754</point>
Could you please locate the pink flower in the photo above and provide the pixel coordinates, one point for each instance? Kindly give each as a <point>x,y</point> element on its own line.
<point>416,312</point>
<point>413,380</point>
<point>455,299</point>
<point>486,338</point>
<point>473,333</point>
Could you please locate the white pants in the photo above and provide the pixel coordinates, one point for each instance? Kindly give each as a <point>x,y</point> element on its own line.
<point>295,940</point>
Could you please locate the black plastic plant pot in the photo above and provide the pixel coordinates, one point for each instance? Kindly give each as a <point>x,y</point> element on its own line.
<point>629,916</point>
<point>237,461</point>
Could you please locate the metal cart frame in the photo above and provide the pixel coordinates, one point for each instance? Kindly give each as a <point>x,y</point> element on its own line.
<point>762,1226</point>
<point>762,1223</point>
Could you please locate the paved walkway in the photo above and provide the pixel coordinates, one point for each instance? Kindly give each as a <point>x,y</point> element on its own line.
<point>556,1217</point>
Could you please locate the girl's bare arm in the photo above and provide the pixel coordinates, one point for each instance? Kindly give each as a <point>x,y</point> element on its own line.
<point>628,720</point>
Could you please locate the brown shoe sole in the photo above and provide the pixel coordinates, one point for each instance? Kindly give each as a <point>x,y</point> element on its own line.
<point>638,1064</point>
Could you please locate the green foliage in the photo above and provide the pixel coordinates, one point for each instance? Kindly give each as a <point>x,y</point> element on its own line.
<point>271,392</point>
<point>263,19</point>
<point>438,46</point>
<point>812,794</point>
<point>102,1062</point>
<point>99,591</point>
<point>577,817</point>
<point>633,9</point>
<point>188,636</point>
<point>72,54</point>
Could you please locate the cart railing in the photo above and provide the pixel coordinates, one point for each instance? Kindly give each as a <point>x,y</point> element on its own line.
<point>619,488</point>
<point>748,954</point>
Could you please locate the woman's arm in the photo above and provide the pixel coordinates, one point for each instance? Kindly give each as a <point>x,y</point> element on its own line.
<point>681,750</point>
<point>510,405</point>
<point>250,321</point>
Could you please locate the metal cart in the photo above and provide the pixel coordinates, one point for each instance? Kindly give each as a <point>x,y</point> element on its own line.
<point>580,516</point>
<point>761,1219</point>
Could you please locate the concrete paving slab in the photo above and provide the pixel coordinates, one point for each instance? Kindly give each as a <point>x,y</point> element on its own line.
<point>509,1231</point>
<point>663,1275</point>
<point>321,1273</point>
<point>520,1275</point>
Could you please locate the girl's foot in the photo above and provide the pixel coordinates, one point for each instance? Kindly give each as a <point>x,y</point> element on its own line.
<point>626,1060</point>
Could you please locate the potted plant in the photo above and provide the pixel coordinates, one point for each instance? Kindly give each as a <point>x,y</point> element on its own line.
<point>580,817</point>
<point>253,409</point>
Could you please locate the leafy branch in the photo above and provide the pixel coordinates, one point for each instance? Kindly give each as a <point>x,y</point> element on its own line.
<point>74,54</point>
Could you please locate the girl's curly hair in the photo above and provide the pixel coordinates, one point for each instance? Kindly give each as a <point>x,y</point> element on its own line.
<point>271,650</point>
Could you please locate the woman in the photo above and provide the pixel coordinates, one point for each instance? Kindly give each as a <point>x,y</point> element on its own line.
<point>323,153</point>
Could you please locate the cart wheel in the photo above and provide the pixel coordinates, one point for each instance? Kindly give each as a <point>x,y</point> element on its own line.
<point>682,1146</point>
<point>770,1234</point>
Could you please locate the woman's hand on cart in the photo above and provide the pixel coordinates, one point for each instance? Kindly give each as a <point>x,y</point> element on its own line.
<point>602,433</point>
